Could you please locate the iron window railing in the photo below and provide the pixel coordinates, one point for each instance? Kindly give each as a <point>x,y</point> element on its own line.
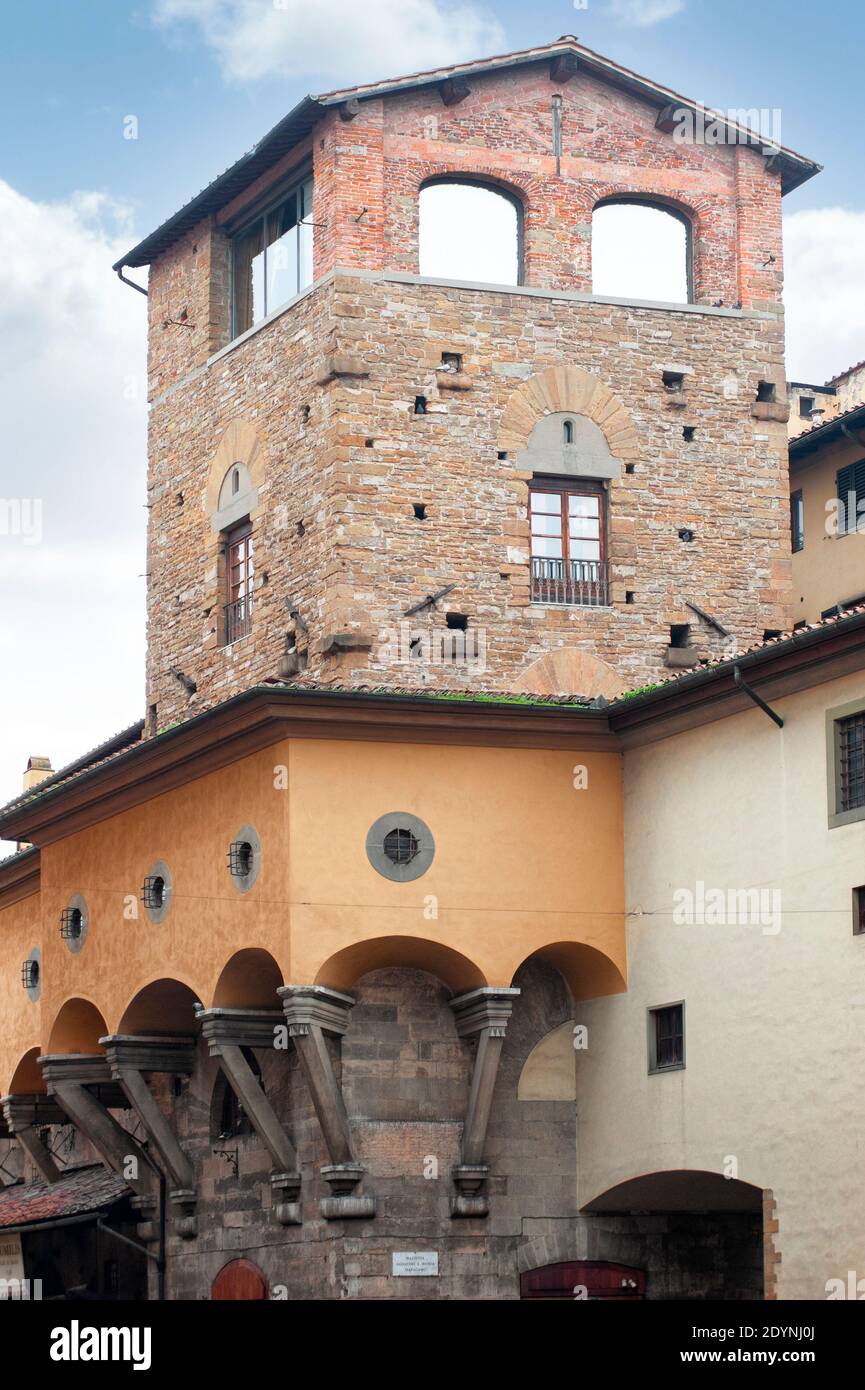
<point>581,582</point>
<point>237,619</point>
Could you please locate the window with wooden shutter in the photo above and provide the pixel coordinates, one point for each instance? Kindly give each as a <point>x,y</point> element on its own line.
<point>850,491</point>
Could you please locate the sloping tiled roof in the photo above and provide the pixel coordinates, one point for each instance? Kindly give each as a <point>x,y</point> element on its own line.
<point>805,440</point>
<point>849,372</point>
<point>303,118</point>
<point>75,1193</point>
<point>117,743</point>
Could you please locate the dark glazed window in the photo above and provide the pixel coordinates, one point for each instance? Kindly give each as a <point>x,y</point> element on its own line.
<point>272,258</point>
<point>667,1038</point>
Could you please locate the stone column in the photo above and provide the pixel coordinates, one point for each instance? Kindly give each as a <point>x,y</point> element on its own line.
<point>483,1012</point>
<point>129,1057</point>
<point>227,1032</point>
<point>311,1012</point>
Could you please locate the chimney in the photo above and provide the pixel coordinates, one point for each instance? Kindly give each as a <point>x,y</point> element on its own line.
<point>37,769</point>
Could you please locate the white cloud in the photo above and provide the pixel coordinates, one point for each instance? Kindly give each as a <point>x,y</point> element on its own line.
<point>72,402</point>
<point>643,13</point>
<point>824,290</point>
<point>342,39</point>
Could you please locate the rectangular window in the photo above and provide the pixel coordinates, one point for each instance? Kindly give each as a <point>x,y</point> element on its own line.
<point>667,1038</point>
<point>850,491</point>
<point>568,543</point>
<point>806,405</point>
<point>850,734</point>
<point>272,258</point>
<point>797,522</point>
<point>859,911</point>
<point>239,576</point>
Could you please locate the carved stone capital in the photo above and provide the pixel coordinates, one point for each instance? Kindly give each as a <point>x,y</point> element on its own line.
<point>222,1027</point>
<point>485,1009</point>
<point>308,1005</point>
<point>141,1052</point>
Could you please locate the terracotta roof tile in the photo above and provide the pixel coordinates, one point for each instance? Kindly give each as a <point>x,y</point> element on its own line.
<point>75,1193</point>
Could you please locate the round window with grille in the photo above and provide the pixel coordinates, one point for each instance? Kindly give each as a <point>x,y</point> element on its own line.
<point>400,846</point>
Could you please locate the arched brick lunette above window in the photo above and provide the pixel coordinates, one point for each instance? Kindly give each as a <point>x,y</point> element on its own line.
<point>567,388</point>
<point>239,444</point>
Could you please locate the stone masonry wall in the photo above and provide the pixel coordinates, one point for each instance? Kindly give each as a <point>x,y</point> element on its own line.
<point>329,387</point>
<point>350,474</point>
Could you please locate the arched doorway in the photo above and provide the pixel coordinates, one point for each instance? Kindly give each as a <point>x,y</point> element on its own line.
<point>239,1280</point>
<point>591,1280</point>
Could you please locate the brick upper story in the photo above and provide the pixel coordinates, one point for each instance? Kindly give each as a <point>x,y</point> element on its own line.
<point>370,151</point>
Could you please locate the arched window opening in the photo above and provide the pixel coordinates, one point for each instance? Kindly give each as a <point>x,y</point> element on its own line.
<point>641,251</point>
<point>470,231</point>
<point>235,481</point>
<point>568,432</point>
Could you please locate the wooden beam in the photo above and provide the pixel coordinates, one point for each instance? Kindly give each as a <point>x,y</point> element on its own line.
<point>563,67</point>
<point>453,90</point>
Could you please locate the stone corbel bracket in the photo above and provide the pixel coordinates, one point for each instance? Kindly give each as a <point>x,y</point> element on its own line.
<point>311,1012</point>
<point>340,365</point>
<point>130,1058</point>
<point>24,1116</point>
<point>72,1078</point>
<point>226,1032</point>
<point>484,1012</point>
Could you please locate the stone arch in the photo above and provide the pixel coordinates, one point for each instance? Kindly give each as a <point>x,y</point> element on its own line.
<point>570,671</point>
<point>455,970</point>
<point>549,1072</point>
<point>568,389</point>
<point>239,444</point>
<point>588,972</point>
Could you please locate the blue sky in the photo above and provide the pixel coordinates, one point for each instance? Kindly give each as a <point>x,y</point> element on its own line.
<point>74,70</point>
<point>204,80</point>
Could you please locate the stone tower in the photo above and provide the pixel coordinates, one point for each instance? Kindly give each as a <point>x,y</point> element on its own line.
<point>362,474</point>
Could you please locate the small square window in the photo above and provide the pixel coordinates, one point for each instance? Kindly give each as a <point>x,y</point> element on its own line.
<point>667,1038</point>
<point>806,405</point>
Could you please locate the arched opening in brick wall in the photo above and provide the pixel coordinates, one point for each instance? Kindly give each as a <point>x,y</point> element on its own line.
<point>641,249</point>
<point>470,230</point>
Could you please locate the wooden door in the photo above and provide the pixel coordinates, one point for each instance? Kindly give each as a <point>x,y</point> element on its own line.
<point>239,1279</point>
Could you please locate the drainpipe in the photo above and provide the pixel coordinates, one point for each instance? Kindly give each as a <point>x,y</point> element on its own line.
<point>752,695</point>
<point>127,281</point>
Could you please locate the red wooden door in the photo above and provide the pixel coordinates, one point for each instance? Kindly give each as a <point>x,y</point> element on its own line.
<point>239,1279</point>
<point>600,1279</point>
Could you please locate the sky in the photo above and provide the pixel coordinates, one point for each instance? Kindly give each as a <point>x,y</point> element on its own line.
<point>114,114</point>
